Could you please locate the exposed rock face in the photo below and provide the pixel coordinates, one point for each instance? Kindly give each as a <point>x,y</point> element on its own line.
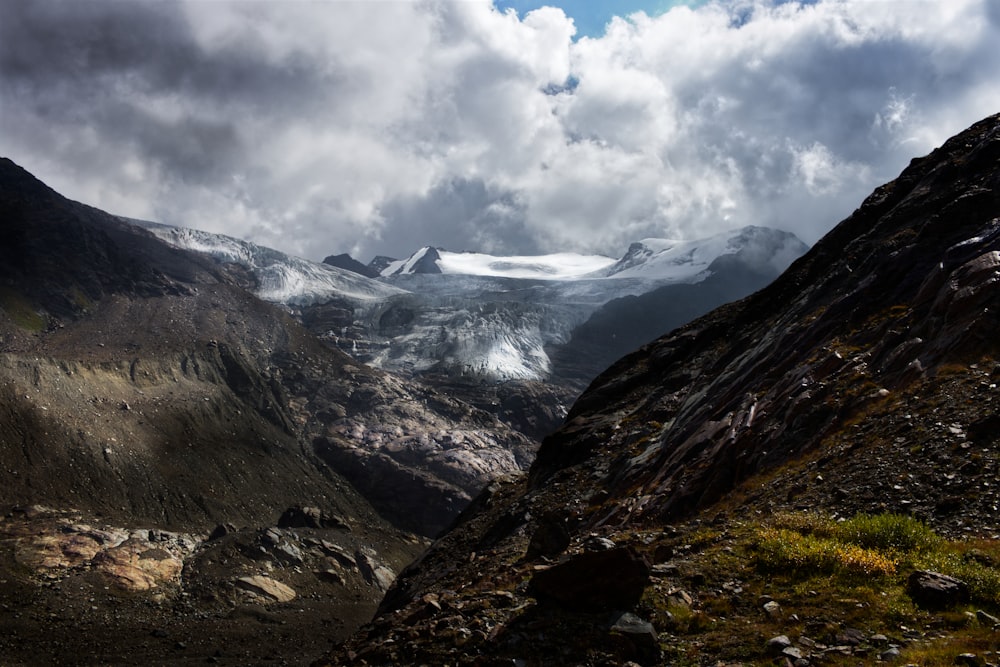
<point>80,590</point>
<point>623,325</point>
<point>267,588</point>
<point>345,261</point>
<point>850,384</point>
<point>894,292</point>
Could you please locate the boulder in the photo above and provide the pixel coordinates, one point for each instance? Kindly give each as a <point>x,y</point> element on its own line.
<point>639,636</point>
<point>310,517</point>
<point>221,531</point>
<point>775,645</point>
<point>594,581</point>
<point>267,588</point>
<point>373,571</point>
<point>135,566</point>
<point>549,540</point>
<point>934,590</point>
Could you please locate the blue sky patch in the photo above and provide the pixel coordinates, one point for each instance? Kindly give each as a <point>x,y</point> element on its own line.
<point>591,17</point>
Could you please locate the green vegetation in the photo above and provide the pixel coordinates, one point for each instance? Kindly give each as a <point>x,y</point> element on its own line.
<point>20,311</point>
<point>888,533</point>
<point>810,545</point>
<point>827,575</point>
<point>777,550</point>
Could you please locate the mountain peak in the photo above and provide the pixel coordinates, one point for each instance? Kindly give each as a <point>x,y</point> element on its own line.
<point>757,247</point>
<point>348,263</point>
<point>424,260</point>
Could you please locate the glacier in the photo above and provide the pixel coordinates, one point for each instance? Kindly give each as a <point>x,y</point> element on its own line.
<point>475,315</point>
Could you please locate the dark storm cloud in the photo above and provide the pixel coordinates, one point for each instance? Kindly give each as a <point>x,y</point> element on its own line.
<point>98,48</point>
<point>133,73</point>
<point>457,215</point>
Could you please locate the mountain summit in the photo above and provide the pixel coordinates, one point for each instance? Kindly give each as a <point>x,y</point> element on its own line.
<point>758,247</point>
<point>738,490</point>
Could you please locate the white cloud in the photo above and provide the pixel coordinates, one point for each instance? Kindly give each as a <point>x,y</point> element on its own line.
<point>319,127</point>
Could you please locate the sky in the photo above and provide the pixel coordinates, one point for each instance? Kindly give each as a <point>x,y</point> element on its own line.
<point>379,126</point>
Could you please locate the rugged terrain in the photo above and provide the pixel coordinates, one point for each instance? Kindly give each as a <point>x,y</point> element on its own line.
<point>517,336</point>
<point>160,426</point>
<point>767,483</point>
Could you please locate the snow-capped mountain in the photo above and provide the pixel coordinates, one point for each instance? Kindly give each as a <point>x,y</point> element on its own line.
<point>682,261</point>
<point>557,266</point>
<point>475,315</point>
<point>476,322</point>
<point>662,260</point>
<point>501,318</point>
<point>280,278</point>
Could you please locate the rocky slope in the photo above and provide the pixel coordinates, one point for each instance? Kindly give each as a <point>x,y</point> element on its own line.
<point>862,380</point>
<point>148,398</point>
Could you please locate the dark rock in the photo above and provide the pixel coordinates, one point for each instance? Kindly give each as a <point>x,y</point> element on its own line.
<point>331,576</point>
<point>775,645</point>
<point>271,537</point>
<point>934,590</point>
<point>373,571</point>
<point>640,635</point>
<point>221,531</point>
<point>310,517</point>
<point>663,552</point>
<point>595,581</point>
<point>348,263</point>
<point>985,430</point>
<point>550,539</point>
<point>850,637</point>
<point>988,620</point>
<point>969,659</point>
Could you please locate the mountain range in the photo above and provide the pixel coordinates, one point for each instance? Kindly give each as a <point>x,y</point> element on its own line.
<point>218,453</point>
<point>175,399</point>
<point>518,336</point>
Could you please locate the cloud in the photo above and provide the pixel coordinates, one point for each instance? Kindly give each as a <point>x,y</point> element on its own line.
<point>373,128</point>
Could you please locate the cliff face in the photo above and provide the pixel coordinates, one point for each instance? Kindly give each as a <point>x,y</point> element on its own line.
<point>862,380</point>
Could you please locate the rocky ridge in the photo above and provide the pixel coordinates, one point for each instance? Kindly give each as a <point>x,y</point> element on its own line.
<point>863,380</point>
